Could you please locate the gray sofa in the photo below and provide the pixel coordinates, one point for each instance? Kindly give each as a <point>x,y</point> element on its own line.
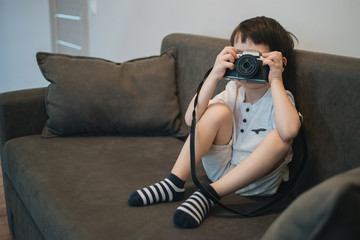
<point>72,153</point>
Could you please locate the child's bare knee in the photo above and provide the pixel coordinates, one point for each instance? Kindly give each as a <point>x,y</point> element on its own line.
<point>220,113</point>
<point>217,122</point>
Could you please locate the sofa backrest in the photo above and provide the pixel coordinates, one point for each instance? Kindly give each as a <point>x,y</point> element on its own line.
<point>196,55</point>
<point>325,87</point>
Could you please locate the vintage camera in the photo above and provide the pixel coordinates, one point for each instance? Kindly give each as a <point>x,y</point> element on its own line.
<point>248,67</point>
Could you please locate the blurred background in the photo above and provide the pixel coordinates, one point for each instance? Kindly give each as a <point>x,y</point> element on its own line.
<point>121,30</point>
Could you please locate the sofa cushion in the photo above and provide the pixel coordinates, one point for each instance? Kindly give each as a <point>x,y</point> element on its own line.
<point>327,211</point>
<point>95,96</point>
<point>78,188</point>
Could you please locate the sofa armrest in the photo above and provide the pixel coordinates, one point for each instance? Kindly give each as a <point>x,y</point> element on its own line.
<point>21,113</point>
<point>326,211</point>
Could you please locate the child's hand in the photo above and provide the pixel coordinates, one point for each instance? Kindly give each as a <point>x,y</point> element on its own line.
<point>224,60</point>
<point>276,62</point>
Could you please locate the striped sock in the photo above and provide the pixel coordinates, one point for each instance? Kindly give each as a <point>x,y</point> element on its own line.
<point>169,190</point>
<point>193,211</point>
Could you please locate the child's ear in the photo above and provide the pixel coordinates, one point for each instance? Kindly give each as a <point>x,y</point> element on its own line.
<point>284,61</point>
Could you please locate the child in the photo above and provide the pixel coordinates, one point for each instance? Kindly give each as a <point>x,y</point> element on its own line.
<point>243,135</point>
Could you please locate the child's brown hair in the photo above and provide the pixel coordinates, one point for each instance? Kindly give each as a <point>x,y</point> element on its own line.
<point>267,31</point>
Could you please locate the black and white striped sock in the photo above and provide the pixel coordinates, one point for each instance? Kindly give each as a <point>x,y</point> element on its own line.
<point>193,211</point>
<point>169,190</point>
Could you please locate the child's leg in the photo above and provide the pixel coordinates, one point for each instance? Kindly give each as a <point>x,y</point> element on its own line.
<point>266,158</point>
<point>214,127</point>
<point>263,160</point>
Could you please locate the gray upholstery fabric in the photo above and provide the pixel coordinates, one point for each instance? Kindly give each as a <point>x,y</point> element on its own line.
<point>327,211</point>
<point>14,106</point>
<point>21,224</point>
<point>77,188</point>
<point>90,95</point>
<point>326,90</point>
<point>196,57</point>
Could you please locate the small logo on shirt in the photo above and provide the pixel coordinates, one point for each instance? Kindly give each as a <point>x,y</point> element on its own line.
<point>258,130</point>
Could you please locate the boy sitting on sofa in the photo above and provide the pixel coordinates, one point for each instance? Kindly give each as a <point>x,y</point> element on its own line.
<point>243,135</point>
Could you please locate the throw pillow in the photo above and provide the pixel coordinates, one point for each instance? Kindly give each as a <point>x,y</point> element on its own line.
<point>95,96</point>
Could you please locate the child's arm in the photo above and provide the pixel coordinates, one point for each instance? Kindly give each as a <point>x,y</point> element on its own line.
<point>286,117</point>
<point>224,60</point>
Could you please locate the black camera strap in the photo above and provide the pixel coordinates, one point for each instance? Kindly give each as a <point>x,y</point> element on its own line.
<point>259,210</point>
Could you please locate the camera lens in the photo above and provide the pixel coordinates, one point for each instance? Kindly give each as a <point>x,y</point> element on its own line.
<point>247,66</point>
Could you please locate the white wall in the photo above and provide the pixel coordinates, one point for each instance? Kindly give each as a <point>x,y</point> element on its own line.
<point>133,28</point>
<point>124,29</point>
<point>24,30</point>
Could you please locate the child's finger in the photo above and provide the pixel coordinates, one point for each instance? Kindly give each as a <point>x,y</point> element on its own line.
<point>230,50</point>
<point>229,58</point>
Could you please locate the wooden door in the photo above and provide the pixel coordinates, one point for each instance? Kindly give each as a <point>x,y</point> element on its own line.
<point>69,26</point>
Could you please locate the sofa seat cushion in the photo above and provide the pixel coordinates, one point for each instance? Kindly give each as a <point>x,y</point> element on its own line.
<point>78,187</point>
